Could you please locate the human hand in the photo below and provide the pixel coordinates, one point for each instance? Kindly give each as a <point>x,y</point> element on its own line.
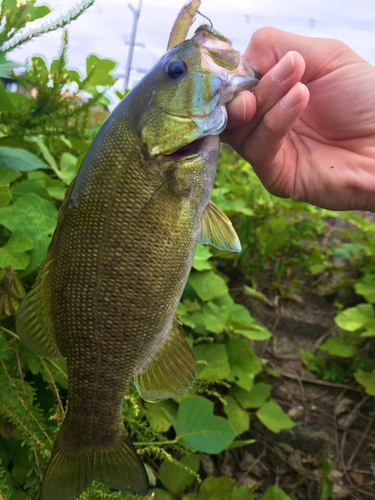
<point>309,128</point>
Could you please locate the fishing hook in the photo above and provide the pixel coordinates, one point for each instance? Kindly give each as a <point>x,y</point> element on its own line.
<point>208,19</point>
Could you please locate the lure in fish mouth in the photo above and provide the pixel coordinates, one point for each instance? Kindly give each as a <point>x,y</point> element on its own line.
<point>107,292</point>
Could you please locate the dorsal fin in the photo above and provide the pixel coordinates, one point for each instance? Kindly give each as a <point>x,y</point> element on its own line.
<point>217,230</point>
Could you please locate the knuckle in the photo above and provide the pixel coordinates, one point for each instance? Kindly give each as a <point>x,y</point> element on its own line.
<point>269,123</point>
<point>261,37</point>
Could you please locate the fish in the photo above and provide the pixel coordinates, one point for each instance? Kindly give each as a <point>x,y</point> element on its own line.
<point>105,297</point>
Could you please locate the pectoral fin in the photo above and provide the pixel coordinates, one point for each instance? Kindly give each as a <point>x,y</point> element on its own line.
<point>217,230</point>
<point>170,372</point>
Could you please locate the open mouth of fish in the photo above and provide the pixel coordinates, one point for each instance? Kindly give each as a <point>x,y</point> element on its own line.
<point>188,151</point>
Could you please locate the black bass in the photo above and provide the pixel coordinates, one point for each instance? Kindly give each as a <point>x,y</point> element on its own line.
<point>106,295</point>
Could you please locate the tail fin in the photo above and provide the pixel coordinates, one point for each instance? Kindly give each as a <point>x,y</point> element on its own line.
<point>67,476</point>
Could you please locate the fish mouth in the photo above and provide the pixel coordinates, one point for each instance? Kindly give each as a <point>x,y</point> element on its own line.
<point>188,151</point>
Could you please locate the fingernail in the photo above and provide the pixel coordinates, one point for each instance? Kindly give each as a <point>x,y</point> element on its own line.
<point>244,107</point>
<point>292,98</point>
<point>283,69</point>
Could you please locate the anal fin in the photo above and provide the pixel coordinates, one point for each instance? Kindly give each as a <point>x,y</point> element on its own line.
<point>217,230</point>
<point>170,372</point>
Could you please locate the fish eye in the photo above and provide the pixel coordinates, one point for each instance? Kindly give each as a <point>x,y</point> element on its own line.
<point>176,69</point>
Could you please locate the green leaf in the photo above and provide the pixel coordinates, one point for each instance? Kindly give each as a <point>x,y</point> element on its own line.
<point>242,493</point>
<point>254,398</point>
<point>176,478</point>
<point>367,380</point>
<point>216,488</point>
<point>159,494</point>
<point>98,71</point>
<point>14,252</point>
<point>25,187</point>
<point>354,318</point>
<point>243,362</point>
<point>200,428</point>
<point>326,486</point>
<point>6,103</point>
<point>208,285</point>
<point>241,443</point>
<point>5,195</point>
<point>20,159</point>
<point>7,66</point>
<point>242,322</point>
<point>31,215</point>
<point>273,417</point>
<point>275,493</point>
<point>338,346</point>
<point>201,257</point>
<point>8,175</point>
<point>215,317</point>
<point>238,418</point>
<point>216,366</point>
<point>40,11</point>
<point>157,418</point>
<point>366,287</point>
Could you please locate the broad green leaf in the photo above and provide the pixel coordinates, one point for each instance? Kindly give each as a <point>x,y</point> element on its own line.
<point>31,215</point>
<point>5,195</point>
<point>156,417</point>
<point>238,418</point>
<point>159,494</point>
<point>242,322</point>
<point>20,159</point>
<point>337,346</point>
<point>6,103</point>
<point>25,187</point>
<point>98,71</point>
<point>200,428</point>
<point>354,318</point>
<point>6,65</point>
<point>275,493</point>
<point>242,493</point>
<point>201,257</point>
<point>8,175</point>
<point>40,11</point>
<point>254,398</point>
<point>366,287</point>
<point>176,478</point>
<point>274,418</point>
<point>216,488</point>
<point>208,285</point>
<point>21,466</point>
<point>215,364</point>
<point>367,380</point>
<point>215,317</point>
<point>243,362</point>
<point>14,252</point>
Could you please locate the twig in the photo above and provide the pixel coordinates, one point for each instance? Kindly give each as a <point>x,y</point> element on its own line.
<point>317,382</point>
<point>20,371</point>
<point>356,449</point>
<point>54,386</point>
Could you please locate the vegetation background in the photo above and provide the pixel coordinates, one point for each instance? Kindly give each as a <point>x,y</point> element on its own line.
<point>283,333</point>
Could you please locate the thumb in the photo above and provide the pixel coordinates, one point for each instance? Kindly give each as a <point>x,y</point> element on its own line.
<point>268,45</point>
